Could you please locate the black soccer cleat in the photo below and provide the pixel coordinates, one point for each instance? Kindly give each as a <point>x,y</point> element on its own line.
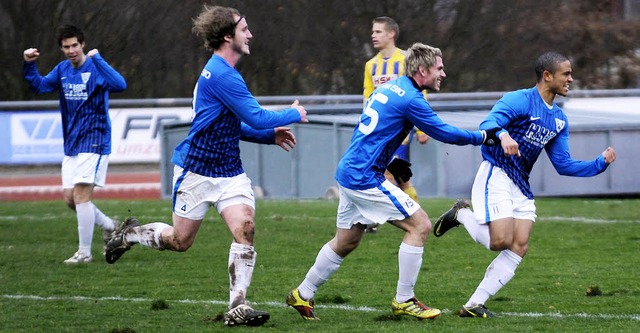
<point>117,245</point>
<point>449,219</point>
<point>245,315</point>
<point>478,311</point>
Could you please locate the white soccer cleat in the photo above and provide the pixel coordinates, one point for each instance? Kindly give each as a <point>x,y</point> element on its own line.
<point>78,258</point>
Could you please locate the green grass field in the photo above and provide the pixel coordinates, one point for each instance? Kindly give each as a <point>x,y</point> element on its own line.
<point>576,244</point>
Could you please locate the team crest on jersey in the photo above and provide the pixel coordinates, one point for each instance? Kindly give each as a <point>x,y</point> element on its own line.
<point>559,124</point>
<point>85,77</point>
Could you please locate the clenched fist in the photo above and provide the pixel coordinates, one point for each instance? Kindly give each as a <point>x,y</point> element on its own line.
<point>31,54</point>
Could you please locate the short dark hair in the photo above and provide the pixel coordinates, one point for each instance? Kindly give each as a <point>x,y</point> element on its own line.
<point>548,61</point>
<point>390,24</point>
<point>69,31</point>
<point>214,23</point>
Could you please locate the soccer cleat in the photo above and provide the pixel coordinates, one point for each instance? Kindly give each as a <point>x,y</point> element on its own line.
<point>414,308</point>
<point>479,311</point>
<point>78,258</point>
<point>304,308</point>
<point>449,219</point>
<point>245,315</point>
<point>106,236</point>
<point>117,245</point>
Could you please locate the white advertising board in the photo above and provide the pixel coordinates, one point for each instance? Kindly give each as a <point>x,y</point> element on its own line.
<point>35,137</point>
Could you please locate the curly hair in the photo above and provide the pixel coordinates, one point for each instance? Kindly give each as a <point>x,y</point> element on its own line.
<point>213,24</point>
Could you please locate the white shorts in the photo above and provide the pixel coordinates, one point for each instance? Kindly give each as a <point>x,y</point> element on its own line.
<point>85,168</point>
<point>495,196</point>
<point>374,206</point>
<point>193,194</point>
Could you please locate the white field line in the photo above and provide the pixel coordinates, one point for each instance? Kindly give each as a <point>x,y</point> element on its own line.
<point>580,219</point>
<point>164,211</point>
<point>58,188</point>
<point>336,307</point>
<point>572,219</point>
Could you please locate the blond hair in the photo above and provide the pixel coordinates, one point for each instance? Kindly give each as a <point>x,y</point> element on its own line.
<point>420,55</point>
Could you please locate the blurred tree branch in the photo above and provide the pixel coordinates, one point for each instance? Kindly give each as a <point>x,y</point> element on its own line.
<point>310,47</point>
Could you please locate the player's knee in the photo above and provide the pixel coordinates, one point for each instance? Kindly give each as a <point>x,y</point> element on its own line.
<point>344,246</point>
<point>347,248</point>
<point>499,243</point>
<point>181,245</point>
<point>244,232</point>
<point>520,249</point>
<point>419,226</point>
<point>425,228</point>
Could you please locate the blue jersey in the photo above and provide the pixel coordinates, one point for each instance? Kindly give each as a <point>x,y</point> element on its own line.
<point>390,114</point>
<point>225,113</point>
<point>84,101</point>
<point>534,126</point>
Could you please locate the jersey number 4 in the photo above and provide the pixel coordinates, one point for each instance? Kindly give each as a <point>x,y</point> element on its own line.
<point>371,113</point>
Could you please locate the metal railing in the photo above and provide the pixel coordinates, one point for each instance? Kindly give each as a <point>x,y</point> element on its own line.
<point>320,104</point>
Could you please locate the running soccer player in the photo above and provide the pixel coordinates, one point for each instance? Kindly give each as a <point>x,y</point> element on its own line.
<point>83,83</point>
<point>386,66</point>
<point>367,197</point>
<point>504,207</point>
<point>208,171</point>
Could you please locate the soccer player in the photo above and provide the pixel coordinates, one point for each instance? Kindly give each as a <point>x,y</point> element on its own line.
<point>385,66</point>
<point>83,83</point>
<point>367,197</point>
<point>208,171</point>
<point>504,207</point>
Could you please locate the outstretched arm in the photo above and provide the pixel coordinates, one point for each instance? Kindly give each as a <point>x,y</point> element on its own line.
<point>558,152</point>
<point>281,136</point>
<point>233,93</point>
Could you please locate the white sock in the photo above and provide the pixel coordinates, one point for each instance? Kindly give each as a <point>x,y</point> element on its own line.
<point>86,220</point>
<point>242,259</point>
<point>149,235</point>
<point>479,232</point>
<point>327,263</point>
<point>103,221</point>
<point>409,263</point>
<point>498,274</point>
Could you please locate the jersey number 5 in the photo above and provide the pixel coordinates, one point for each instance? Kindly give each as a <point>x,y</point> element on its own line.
<point>372,113</point>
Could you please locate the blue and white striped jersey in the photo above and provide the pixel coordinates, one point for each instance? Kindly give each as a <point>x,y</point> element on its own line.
<point>225,113</point>
<point>391,112</point>
<point>84,101</point>
<point>534,126</point>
